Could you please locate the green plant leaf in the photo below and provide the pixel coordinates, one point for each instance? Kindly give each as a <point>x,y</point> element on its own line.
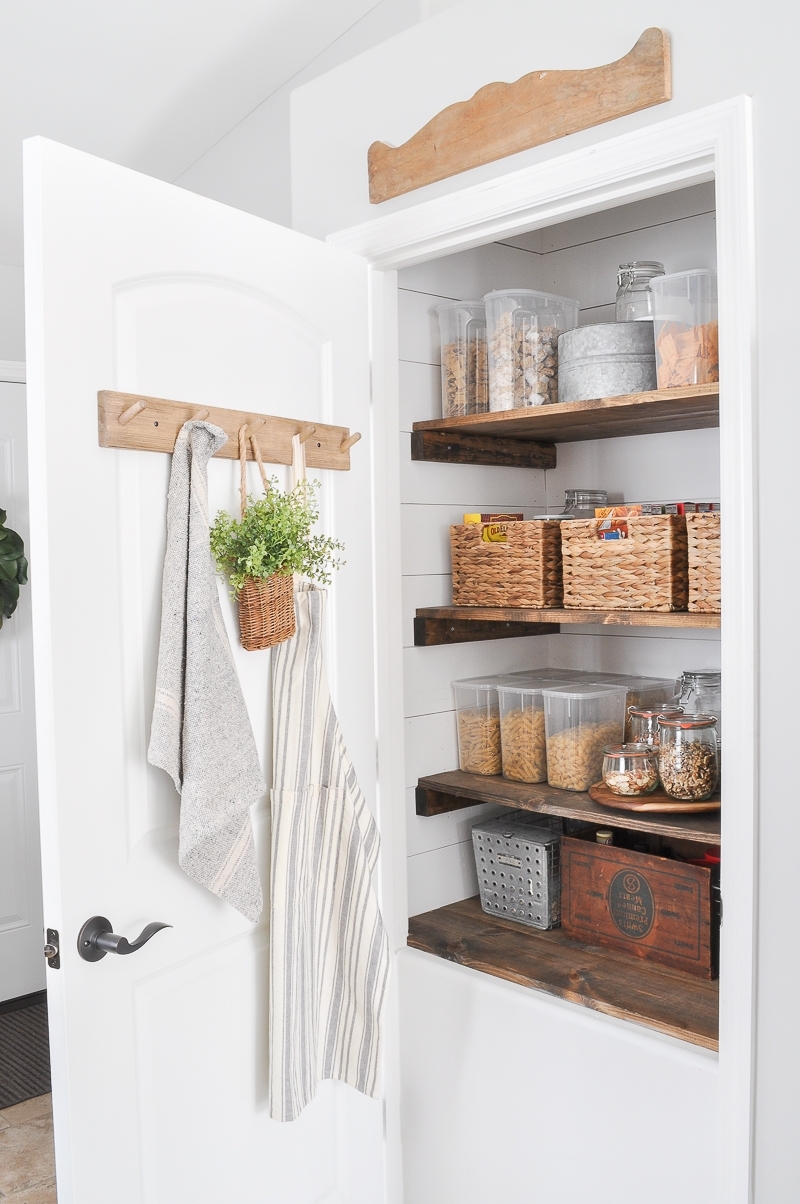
<point>274,537</point>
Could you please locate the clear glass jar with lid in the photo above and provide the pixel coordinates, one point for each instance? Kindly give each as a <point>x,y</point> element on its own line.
<point>580,503</point>
<point>634,295</point>
<point>642,727</point>
<point>630,769</point>
<point>687,756</point>
<point>701,693</point>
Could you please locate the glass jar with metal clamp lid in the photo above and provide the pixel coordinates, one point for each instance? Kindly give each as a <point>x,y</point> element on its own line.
<point>634,295</point>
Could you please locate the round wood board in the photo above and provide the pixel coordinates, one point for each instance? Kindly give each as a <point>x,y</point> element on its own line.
<point>659,800</point>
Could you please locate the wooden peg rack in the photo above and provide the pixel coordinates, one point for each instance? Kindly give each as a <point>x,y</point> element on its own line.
<point>152,424</point>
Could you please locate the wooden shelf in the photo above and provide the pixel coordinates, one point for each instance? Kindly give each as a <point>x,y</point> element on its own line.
<point>452,791</point>
<point>616,984</point>
<point>526,437</point>
<point>459,624</point>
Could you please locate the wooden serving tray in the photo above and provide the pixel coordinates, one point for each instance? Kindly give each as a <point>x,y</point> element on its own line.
<point>659,800</point>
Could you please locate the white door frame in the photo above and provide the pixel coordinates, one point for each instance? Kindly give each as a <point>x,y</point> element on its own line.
<point>711,143</point>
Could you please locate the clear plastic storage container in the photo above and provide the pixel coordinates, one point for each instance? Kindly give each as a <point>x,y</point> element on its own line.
<point>687,756</point>
<point>522,330</point>
<point>630,769</point>
<point>686,329</point>
<point>522,735</point>
<point>465,379</point>
<point>641,692</point>
<point>478,719</point>
<point>580,720</point>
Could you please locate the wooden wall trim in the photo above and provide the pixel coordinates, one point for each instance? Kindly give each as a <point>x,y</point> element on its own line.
<point>502,119</point>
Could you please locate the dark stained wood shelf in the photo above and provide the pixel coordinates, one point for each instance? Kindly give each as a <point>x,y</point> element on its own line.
<point>670,1001</point>
<point>454,790</point>
<point>458,624</point>
<point>689,408</point>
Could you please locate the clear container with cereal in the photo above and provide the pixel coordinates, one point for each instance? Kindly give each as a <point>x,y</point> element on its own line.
<point>478,720</point>
<point>687,756</point>
<point>522,734</point>
<point>580,720</point>
<point>465,378</point>
<point>686,329</point>
<point>522,327</point>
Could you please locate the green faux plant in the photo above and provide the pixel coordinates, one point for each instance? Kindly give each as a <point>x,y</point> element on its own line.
<point>274,537</point>
<point>13,569</point>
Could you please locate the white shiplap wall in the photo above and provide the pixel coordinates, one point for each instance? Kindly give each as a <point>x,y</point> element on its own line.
<point>577,259</point>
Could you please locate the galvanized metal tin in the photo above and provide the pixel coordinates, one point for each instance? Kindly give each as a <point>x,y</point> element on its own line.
<point>606,360</point>
<point>518,860</point>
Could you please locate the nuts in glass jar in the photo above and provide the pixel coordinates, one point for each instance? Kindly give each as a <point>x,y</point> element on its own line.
<point>630,769</point>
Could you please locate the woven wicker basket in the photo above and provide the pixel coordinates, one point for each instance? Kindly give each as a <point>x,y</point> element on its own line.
<point>266,612</point>
<point>646,571</point>
<point>524,571</point>
<point>705,590</point>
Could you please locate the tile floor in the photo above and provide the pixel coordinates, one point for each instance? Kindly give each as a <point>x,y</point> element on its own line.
<point>27,1163</point>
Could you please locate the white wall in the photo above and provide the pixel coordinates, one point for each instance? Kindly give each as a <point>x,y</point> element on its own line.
<point>12,313</point>
<point>250,167</point>
<point>577,259</point>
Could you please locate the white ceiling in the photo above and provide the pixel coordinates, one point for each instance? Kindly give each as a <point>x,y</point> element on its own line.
<point>151,84</point>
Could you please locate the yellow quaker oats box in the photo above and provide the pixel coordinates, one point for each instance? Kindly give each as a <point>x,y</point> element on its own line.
<point>495,526</point>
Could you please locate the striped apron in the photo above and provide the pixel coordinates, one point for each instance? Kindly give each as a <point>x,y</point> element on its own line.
<point>329,955</point>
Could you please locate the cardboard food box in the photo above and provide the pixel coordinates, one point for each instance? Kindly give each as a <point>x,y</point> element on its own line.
<point>652,907</point>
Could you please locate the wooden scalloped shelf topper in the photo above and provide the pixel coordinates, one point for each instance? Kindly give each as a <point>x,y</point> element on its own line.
<point>502,119</point>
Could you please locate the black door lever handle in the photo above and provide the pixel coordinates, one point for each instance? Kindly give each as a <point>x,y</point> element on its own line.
<point>96,939</point>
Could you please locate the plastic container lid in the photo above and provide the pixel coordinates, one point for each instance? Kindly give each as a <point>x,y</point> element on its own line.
<point>530,292</point>
<point>590,691</point>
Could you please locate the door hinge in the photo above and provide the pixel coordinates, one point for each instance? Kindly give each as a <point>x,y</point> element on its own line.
<point>51,949</point>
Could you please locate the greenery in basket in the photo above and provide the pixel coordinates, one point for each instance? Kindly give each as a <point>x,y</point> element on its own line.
<point>13,569</point>
<point>274,537</point>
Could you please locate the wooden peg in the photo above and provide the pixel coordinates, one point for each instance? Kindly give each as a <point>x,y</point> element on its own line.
<point>307,433</point>
<point>346,444</point>
<point>252,427</point>
<point>131,412</point>
<point>200,415</point>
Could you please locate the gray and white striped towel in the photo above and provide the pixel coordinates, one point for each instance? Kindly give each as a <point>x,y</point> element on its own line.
<point>201,734</point>
<point>329,955</point>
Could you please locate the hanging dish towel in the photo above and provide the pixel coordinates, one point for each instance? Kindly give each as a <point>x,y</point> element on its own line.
<point>329,955</point>
<point>201,734</point>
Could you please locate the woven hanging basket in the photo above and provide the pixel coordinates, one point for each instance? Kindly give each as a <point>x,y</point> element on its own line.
<point>266,612</point>
<point>266,604</point>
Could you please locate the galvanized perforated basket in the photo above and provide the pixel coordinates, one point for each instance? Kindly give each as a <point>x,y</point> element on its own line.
<point>518,860</point>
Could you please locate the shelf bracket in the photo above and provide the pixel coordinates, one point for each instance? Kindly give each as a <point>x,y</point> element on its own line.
<point>453,447</point>
<point>428,632</point>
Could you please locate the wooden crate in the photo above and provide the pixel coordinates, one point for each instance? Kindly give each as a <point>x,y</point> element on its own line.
<point>705,563</point>
<point>647,571</point>
<point>652,907</point>
<point>523,571</point>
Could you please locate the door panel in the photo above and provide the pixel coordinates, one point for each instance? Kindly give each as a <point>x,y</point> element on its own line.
<point>22,967</point>
<point>159,1061</point>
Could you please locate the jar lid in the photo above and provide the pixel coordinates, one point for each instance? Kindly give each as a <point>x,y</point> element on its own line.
<point>655,712</point>
<point>708,677</point>
<point>629,750</point>
<point>689,721</point>
<point>640,269</point>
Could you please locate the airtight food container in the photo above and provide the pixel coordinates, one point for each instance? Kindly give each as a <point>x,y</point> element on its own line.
<point>465,381</point>
<point>478,721</point>
<point>642,692</point>
<point>685,328</point>
<point>522,733</point>
<point>523,327</point>
<point>580,720</point>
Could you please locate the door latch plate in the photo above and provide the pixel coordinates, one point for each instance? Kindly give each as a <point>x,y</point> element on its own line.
<point>51,949</point>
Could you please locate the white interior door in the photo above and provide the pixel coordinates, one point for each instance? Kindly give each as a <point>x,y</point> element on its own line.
<point>21,941</point>
<point>159,1059</point>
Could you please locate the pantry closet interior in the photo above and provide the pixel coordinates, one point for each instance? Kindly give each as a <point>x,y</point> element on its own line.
<point>578,259</point>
